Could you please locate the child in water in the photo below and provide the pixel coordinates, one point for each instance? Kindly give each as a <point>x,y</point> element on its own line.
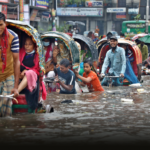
<point>89,78</point>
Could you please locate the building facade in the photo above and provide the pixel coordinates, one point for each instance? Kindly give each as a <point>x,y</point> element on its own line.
<point>34,12</point>
<point>97,13</point>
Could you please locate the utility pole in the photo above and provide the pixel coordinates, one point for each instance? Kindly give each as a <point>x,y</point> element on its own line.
<point>147,16</point>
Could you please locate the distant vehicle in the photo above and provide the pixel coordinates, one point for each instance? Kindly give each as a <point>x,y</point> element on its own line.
<point>134,27</point>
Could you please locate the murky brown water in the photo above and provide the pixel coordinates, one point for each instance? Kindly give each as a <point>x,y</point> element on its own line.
<point>92,118</point>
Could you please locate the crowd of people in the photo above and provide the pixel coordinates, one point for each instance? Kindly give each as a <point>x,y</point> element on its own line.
<point>19,67</point>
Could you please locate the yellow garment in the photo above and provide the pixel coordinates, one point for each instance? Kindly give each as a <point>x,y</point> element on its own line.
<point>9,70</point>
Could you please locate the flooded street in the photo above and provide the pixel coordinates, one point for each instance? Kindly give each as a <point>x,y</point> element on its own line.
<point>92,119</point>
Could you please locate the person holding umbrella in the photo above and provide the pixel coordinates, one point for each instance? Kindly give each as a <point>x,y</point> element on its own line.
<point>144,50</point>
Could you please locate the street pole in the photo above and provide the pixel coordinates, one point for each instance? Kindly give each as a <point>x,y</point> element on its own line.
<point>147,16</point>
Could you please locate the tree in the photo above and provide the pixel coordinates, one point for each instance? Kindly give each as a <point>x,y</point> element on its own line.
<point>62,28</point>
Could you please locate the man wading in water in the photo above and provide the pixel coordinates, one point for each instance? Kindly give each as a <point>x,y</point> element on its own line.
<point>9,66</point>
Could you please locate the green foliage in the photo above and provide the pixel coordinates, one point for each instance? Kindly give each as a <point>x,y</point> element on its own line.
<point>138,17</point>
<point>63,28</point>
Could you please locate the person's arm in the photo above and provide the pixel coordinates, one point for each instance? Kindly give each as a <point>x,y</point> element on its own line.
<point>85,80</point>
<point>55,53</point>
<point>67,87</point>
<point>123,58</point>
<point>16,74</point>
<point>106,63</point>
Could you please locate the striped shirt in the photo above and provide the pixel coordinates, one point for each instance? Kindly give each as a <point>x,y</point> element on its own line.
<point>12,48</point>
<point>15,42</point>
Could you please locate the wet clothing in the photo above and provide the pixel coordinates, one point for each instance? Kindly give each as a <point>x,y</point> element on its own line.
<point>12,47</point>
<point>36,67</point>
<point>5,89</point>
<point>95,83</point>
<point>68,79</point>
<point>116,60</point>
<point>144,51</point>
<point>28,61</point>
<point>129,54</point>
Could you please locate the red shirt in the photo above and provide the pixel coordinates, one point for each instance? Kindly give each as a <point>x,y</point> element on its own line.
<point>95,83</point>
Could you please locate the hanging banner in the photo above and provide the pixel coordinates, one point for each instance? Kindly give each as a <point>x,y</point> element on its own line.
<point>4,1</point>
<point>4,10</point>
<point>26,14</point>
<point>42,3</point>
<point>21,10</point>
<point>33,15</point>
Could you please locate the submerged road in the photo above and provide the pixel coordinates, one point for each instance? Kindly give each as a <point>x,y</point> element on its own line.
<point>93,119</point>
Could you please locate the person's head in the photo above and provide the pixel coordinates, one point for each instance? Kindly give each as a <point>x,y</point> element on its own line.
<point>2,23</point>
<point>113,41</point>
<point>96,35</point>
<point>46,42</point>
<point>64,65</point>
<point>87,66</point>
<point>29,45</point>
<point>142,43</point>
<point>124,46</point>
<point>122,35</point>
<point>146,64</point>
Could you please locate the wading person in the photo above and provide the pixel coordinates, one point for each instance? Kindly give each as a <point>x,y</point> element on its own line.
<point>9,66</point>
<point>89,78</point>
<point>66,78</point>
<point>116,60</point>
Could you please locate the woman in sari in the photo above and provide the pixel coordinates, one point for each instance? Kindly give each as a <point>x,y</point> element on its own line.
<point>29,68</point>
<point>29,76</point>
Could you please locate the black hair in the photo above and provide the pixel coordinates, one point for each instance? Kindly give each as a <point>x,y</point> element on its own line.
<point>88,61</point>
<point>121,34</point>
<point>145,62</point>
<point>65,62</point>
<point>2,17</point>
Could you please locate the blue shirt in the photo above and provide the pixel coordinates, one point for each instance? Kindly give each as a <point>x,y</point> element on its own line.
<point>117,61</point>
<point>68,79</point>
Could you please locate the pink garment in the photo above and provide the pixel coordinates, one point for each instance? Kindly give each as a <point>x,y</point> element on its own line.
<point>44,93</point>
<point>47,55</point>
<point>31,78</point>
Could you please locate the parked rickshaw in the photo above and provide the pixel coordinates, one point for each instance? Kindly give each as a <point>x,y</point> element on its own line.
<point>82,40</point>
<point>137,64</point>
<point>69,43</point>
<point>23,30</point>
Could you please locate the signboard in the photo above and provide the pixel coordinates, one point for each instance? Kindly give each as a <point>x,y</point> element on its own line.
<point>45,17</point>
<point>121,15</point>
<point>42,3</point>
<point>116,10</point>
<point>33,15</point>
<point>133,25</point>
<point>133,11</point>
<point>21,10</point>
<point>93,12</point>
<point>4,1</point>
<point>94,4</point>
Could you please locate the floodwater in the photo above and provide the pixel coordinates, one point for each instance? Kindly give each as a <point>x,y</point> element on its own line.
<point>92,119</point>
